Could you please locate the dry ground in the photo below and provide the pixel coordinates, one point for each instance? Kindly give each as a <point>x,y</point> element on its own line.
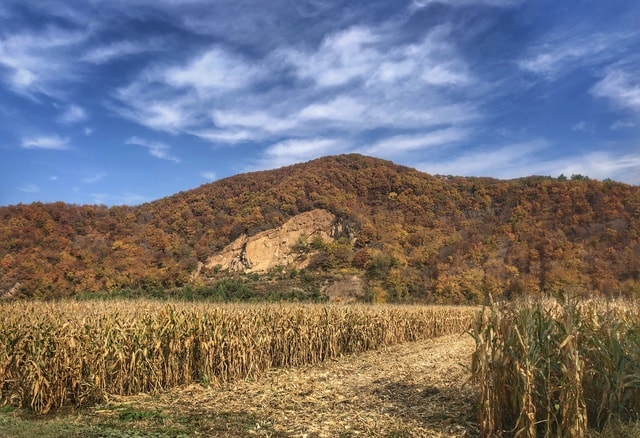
<point>413,390</point>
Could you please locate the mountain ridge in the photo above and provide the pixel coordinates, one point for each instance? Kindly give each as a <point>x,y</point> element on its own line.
<point>419,237</point>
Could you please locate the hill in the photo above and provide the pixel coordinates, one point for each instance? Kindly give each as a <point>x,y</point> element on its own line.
<point>411,236</point>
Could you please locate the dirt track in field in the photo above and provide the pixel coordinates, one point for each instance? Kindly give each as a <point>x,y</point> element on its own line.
<point>413,390</point>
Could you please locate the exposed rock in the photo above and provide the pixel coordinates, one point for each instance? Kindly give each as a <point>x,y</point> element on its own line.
<point>196,274</point>
<point>269,249</point>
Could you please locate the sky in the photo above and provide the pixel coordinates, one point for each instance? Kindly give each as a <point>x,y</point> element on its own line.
<point>127,101</point>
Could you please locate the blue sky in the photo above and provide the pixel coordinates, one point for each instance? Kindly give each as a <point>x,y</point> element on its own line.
<point>127,101</point>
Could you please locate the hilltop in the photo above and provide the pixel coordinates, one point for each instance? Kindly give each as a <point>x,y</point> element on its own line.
<point>407,235</point>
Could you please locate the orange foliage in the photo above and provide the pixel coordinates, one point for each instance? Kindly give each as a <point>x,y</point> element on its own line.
<point>455,239</point>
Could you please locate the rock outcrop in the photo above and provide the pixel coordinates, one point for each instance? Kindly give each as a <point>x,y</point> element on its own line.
<point>269,249</point>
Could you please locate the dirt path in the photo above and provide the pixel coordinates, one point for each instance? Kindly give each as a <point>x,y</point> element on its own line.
<point>414,389</point>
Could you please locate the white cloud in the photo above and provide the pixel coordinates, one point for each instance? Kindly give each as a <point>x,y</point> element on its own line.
<point>213,71</point>
<point>421,4</point>
<point>228,136</point>
<point>165,116</point>
<point>208,175</point>
<point>120,49</point>
<point>602,165</point>
<point>344,113</point>
<point>504,162</point>
<point>355,81</point>
<point>301,149</point>
<point>72,114</point>
<point>87,131</point>
<point>444,75</point>
<point>146,106</point>
<point>393,71</point>
<point>525,159</point>
<point>22,78</point>
<point>579,126</point>
<point>30,188</point>
<point>622,124</point>
<point>39,62</point>
<point>342,57</point>
<point>358,53</point>
<point>342,108</point>
<point>156,149</point>
<point>96,177</point>
<point>620,87</point>
<point>297,150</point>
<point>569,50</point>
<point>582,126</point>
<point>438,113</point>
<point>127,198</point>
<point>251,120</point>
<point>404,143</point>
<point>52,142</point>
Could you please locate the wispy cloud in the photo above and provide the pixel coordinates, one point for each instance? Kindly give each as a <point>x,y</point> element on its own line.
<point>253,120</point>
<point>342,57</point>
<point>208,175</point>
<point>508,161</point>
<point>582,126</point>
<point>72,114</point>
<point>30,188</point>
<point>421,4</point>
<point>213,71</point>
<point>343,108</point>
<point>569,49</point>
<point>360,54</point>
<point>602,165</point>
<point>622,124</point>
<point>296,150</point>
<point>96,177</point>
<point>621,87</point>
<point>156,149</point>
<point>39,61</point>
<point>404,143</point>
<point>411,81</point>
<point>126,198</point>
<point>121,49</point>
<point>523,159</point>
<point>396,86</point>
<point>224,136</point>
<point>52,142</point>
<point>168,112</point>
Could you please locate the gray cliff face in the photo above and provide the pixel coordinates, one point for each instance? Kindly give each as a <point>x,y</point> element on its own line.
<point>272,248</point>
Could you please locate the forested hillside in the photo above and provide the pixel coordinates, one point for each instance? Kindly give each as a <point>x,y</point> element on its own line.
<point>417,237</point>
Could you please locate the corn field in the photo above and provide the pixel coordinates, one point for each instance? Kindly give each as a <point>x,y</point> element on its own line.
<point>556,367</point>
<point>53,354</point>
